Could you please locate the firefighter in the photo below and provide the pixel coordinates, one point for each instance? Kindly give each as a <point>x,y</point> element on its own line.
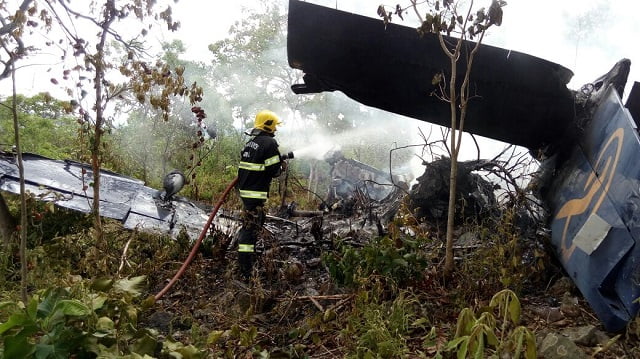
<point>260,162</point>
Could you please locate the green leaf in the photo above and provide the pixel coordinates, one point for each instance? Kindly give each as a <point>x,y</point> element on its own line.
<point>452,344</point>
<point>32,308</point>
<point>129,285</point>
<point>105,324</point>
<point>145,345</point>
<point>214,336</point>
<point>492,339</point>
<point>45,308</point>
<point>15,320</point>
<point>463,349</point>
<point>17,347</point>
<point>102,284</point>
<point>44,351</point>
<point>466,319</point>
<point>479,349</point>
<point>531,352</point>
<point>179,351</point>
<point>190,352</point>
<point>98,301</point>
<point>514,310</point>
<point>72,307</point>
<point>132,314</point>
<point>148,303</point>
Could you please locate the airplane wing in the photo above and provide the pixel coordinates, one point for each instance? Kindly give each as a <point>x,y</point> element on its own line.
<point>66,183</point>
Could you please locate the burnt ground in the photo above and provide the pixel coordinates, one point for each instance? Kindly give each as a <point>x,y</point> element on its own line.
<point>294,307</point>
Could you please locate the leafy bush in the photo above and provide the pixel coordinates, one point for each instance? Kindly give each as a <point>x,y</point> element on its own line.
<point>489,336</point>
<point>402,263</point>
<point>80,323</point>
<point>380,329</point>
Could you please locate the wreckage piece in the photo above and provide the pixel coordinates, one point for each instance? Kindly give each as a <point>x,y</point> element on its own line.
<point>349,176</point>
<point>517,98</point>
<point>429,197</point>
<point>633,103</point>
<point>594,198</point>
<point>66,183</point>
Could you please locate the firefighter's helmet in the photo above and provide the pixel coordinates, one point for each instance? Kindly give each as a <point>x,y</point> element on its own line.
<point>266,121</point>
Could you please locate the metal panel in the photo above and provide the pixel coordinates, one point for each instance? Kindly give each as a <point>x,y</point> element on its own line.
<point>122,198</point>
<point>601,177</point>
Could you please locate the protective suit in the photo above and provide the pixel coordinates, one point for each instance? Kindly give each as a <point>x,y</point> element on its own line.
<point>259,163</point>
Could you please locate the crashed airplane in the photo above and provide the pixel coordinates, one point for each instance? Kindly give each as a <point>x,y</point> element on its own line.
<point>66,183</point>
<point>587,139</point>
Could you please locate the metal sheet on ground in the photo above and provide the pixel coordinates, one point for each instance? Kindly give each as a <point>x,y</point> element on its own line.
<point>66,183</point>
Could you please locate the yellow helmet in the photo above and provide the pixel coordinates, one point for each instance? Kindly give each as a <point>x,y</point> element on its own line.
<point>266,121</point>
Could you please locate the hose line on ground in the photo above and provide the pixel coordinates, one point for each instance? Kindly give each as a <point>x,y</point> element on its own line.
<point>196,245</point>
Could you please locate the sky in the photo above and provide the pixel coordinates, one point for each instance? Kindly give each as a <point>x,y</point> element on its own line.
<point>586,36</point>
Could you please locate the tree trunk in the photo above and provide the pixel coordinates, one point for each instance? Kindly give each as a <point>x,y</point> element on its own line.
<point>451,213</point>
<point>453,175</point>
<point>7,223</point>
<point>23,197</point>
<point>99,107</point>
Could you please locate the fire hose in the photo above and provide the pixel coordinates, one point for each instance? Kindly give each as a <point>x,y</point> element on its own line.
<point>196,245</point>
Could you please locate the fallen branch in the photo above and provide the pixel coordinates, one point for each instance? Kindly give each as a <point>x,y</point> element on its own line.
<point>123,257</point>
<point>315,302</point>
<point>316,297</point>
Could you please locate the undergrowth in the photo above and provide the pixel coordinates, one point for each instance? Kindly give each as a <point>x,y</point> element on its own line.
<point>383,298</point>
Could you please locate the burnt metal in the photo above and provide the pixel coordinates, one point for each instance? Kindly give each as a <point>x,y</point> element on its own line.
<point>518,98</point>
<point>349,176</point>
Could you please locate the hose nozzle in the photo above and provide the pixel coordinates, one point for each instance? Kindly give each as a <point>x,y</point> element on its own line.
<point>286,156</point>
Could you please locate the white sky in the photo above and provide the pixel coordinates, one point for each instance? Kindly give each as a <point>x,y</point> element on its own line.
<point>537,27</point>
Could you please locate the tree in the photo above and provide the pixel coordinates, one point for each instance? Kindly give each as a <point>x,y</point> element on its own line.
<point>46,128</point>
<point>444,18</point>
<point>37,124</point>
<point>583,23</point>
<point>23,197</point>
<point>14,49</point>
<point>97,68</point>
<point>147,147</point>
